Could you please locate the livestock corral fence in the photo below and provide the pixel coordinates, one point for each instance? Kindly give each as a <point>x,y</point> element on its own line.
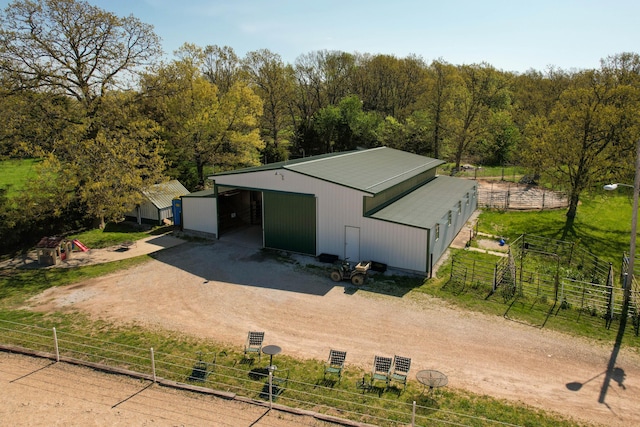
<point>509,188</point>
<point>507,195</point>
<point>552,277</point>
<point>219,374</point>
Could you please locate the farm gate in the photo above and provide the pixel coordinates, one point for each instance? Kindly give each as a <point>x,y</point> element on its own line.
<point>552,276</point>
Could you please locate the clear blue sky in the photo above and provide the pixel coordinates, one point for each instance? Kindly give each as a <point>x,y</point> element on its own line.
<point>511,35</point>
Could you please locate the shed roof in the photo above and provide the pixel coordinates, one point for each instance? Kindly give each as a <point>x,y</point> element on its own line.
<point>50,242</point>
<point>371,171</point>
<point>202,193</point>
<point>426,205</point>
<point>162,195</point>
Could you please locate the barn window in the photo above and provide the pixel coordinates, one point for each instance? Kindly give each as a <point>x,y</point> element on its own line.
<point>437,231</point>
<point>459,207</point>
<point>449,218</point>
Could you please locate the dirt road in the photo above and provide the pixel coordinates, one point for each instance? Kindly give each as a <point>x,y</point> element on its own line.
<point>37,392</point>
<point>223,289</point>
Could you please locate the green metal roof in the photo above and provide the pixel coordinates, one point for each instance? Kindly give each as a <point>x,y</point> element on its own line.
<point>162,195</point>
<point>273,166</point>
<point>371,171</point>
<point>202,193</point>
<point>427,204</point>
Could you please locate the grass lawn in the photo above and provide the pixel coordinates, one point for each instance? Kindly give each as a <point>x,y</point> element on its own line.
<point>15,173</point>
<point>602,225</point>
<point>507,173</point>
<point>16,286</point>
<point>114,234</point>
<point>306,389</point>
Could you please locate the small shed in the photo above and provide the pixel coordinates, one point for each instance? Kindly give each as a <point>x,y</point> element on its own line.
<point>52,250</point>
<point>157,206</point>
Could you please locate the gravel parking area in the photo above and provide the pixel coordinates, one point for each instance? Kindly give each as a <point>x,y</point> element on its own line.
<point>221,290</point>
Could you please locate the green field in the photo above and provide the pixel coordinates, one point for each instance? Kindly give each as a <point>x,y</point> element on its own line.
<point>602,225</point>
<point>15,173</point>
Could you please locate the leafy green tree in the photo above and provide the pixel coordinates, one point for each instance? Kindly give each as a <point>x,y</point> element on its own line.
<point>623,72</point>
<point>322,78</point>
<point>418,133</point>
<point>73,49</point>
<point>442,81</point>
<point>483,90</point>
<point>221,66</point>
<point>501,140</point>
<point>346,126</point>
<point>201,125</point>
<point>387,84</point>
<point>327,122</point>
<point>535,93</point>
<point>581,142</point>
<point>113,167</point>
<point>392,133</point>
<point>272,81</point>
<point>34,121</point>
<point>358,127</point>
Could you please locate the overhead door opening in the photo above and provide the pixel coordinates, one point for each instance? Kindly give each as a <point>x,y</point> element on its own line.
<point>290,222</point>
<point>238,208</point>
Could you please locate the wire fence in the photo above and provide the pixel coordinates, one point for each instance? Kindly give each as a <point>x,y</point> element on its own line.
<point>511,173</point>
<point>634,291</point>
<point>548,276</point>
<point>218,374</point>
<point>510,187</point>
<point>513,196</point>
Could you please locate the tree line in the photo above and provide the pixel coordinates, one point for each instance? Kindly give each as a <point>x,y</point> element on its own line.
<point>87,91</point>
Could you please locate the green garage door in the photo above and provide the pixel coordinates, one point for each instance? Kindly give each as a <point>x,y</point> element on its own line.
<point>290,222</point>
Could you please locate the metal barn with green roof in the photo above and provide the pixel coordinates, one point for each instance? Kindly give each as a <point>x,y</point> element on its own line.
<point>380,204</point>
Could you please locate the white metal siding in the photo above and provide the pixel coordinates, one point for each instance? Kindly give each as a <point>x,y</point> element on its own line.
<point>199,214</point>
<point>396,245</point>
<point>148,211</point>
<point>337,206</point>
<point>448,233</point>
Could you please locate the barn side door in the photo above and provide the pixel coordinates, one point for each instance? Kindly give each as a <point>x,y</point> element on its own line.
<point>352,243</point>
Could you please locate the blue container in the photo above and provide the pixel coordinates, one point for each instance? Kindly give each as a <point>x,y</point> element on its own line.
<point>176,207</point>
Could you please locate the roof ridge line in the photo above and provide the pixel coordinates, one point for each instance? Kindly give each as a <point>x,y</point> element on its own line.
<point>285,166</point>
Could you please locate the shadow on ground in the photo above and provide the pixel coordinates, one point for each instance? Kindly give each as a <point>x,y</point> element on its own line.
<point>238,258</point>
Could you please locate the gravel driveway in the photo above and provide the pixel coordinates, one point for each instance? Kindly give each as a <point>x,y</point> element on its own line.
<point>221,290</point>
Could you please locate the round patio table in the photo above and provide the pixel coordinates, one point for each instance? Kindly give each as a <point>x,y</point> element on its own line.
<point>271,350</point>
<point>431,378</point>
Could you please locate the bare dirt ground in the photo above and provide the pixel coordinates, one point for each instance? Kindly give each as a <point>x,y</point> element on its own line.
<point>509,195</point>
<point>225,288</point>
<point>37,392</point>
